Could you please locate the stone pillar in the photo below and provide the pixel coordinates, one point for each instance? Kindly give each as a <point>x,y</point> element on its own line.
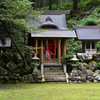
<point>41,56</point>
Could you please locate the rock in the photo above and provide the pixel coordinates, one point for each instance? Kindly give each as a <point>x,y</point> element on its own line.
<point>74,72</point>
<point>89,73</point>
<point>95,74</point>
<point>70,82</point>
<point>95,81</point>
<point>72,78</point>
<point>83,75</point>
<point>96,57</point>
<point>75,82</point>
<point>78,78</point>
<point>90,78</point>
<point>84,70</point>
<point>83,78</point>
<point>79,72</point>
<point>3,71</point>
<point>97,78</point>
<point>84,57</point>
<point>93,66</point>
<point>11,65</point>
<point>88,81</point>
<point>97,71</point>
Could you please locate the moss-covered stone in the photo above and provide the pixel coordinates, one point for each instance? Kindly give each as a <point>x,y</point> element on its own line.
<point>96,57</point>
<point>80,65</point>
<point>93,65</point>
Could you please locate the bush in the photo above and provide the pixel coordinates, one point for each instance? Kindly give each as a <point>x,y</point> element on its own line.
<point>90,22</point>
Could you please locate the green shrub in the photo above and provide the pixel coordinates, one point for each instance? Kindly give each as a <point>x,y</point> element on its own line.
<point>90,22</point>
<point>98,65</point>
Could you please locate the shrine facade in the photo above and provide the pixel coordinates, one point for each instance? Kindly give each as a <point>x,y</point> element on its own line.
<point>52,41</point>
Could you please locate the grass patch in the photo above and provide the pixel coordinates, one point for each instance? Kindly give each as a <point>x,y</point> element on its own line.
<point>50,91</point>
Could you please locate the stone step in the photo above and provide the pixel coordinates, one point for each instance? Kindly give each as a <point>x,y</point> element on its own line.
<point>52,68</point>
<point>55,79</point>
<point>53,73</point>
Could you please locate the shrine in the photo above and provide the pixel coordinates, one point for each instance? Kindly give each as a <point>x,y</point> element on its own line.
<point>53,40</point>
<point>89,35</point>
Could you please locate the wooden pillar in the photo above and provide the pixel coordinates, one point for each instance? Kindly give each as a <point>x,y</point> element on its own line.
<point>59,53</point>
<point>64,52</point>
<point>41,55</point>
<point>64,46</point>
<point>36,45</point>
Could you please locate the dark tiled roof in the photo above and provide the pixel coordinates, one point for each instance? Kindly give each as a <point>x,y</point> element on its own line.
<point>88,33</point>
<point>86,27</point>
<point>55,33</point>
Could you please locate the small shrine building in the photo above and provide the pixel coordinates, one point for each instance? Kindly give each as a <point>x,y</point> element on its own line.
<point>53,40</point>
<point>89,35</point>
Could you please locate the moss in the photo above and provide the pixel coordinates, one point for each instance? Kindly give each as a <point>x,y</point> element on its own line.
<point>93,65</point>
<point>95,54</point>
<point>92,62</point>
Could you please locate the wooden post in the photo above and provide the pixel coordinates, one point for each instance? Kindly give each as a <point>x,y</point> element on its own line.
<point>64,46</point>
<point>59,51</point>
<point>64,51</point>
<point>41,55</point>
<point>36,41</point>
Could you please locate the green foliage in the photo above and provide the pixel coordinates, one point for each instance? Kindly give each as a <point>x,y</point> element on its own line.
<point>98,46</point>
<point>66,57</point>
<point>98,65</point>
<point>73,46</point>
<point>13,14</point>
<point>90,22</point>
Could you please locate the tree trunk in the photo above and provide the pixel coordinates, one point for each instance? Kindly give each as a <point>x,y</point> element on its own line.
<point>8,30</point>
<point>57,4</point>
<point>63,1</point>
<point>74,4</point>
<point>22,56</point>
<point>50,4</point>
<point>44,3</point>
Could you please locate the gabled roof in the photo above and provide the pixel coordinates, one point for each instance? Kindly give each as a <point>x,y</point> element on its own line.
<point>87,32</point>
<point>57,20</point>
<point>55,33</point>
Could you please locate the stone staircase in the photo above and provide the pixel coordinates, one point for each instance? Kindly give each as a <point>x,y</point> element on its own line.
<point>54,74</point>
